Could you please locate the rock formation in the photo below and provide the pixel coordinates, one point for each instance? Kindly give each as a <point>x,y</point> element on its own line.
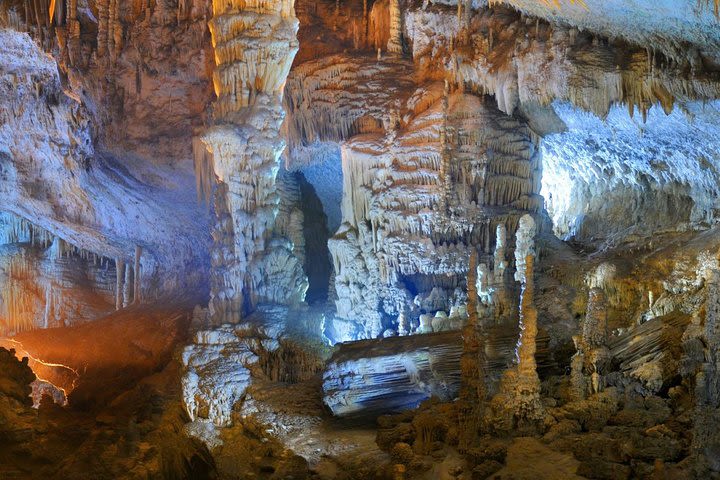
<point>590,362</point>
<point>705,439</point>
<point>376,221</point>
<point>365,380</point>
<point>91,204</point>
<point>419,239</point>
<point>472,396</point>
<point>254,48</point>
<point>518,406</point>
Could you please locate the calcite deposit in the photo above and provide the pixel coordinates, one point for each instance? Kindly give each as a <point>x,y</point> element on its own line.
<point>392,239</point>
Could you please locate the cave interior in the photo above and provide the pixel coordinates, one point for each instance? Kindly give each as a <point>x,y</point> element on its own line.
<point>359,239</point>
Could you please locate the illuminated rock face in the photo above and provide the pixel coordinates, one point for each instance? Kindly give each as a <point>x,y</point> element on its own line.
<point>221,363</point>
<point>632,178</point>
<point>217,377</point>
<point>667,24</point>
<point>392,124</point>
<point>237,162</point>
<point>433,128</point>
<point>254,47</point>
<point>53,177</point>
<point>411,214</point>
<point>47,283</point>
<point>376,376</point>
<point>399,375</point>
<point>529,63</point>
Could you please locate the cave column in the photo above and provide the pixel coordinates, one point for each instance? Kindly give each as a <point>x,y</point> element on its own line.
<point>471,399</point>
<point>244,144</point>
<point>518,408</point>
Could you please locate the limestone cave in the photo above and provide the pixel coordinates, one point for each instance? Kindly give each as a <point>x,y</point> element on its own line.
<point>359,239</point>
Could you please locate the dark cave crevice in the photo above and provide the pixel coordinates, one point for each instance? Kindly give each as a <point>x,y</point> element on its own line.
<point>317,266</point>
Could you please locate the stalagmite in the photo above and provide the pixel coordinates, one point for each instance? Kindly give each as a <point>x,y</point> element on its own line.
<point>403,325</point>
<point>420,170</point>
<point>471,401</point>
<point>518,406</point>
<point>529,407</point>
<point>524,246</point>
<point>499,256</point>
<point>590,361</point>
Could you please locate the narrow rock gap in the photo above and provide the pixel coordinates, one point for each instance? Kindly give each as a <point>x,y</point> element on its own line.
<point>317,233</point>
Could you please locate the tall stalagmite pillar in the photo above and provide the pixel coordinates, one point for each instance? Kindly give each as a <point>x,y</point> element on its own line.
<point>518,408</point>
<point>255,44</point>
<point>590,361</point>
<point>528,407</point>
<point>471,401</point>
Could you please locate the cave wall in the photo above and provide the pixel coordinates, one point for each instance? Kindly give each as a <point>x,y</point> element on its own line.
<point>54,177</point>
<point>47,283</point>
<point>630,177</point>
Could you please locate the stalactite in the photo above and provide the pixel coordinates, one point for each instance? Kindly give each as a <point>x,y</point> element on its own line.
<point>115,32</point>
<point>35,293</point>
<point>395,43</point>
<point>127,287</point>
<point>204,171</point>
<point>445,165</point>
<point>479,142</point>
<point>103,7</point>
<point>138,275</point>
<point>71,18</point>
<point>119,279</point>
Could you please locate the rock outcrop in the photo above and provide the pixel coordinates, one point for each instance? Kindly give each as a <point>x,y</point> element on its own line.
<point>384,375</point>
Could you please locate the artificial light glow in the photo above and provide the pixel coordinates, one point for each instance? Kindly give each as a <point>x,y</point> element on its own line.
<point>557,190</point>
